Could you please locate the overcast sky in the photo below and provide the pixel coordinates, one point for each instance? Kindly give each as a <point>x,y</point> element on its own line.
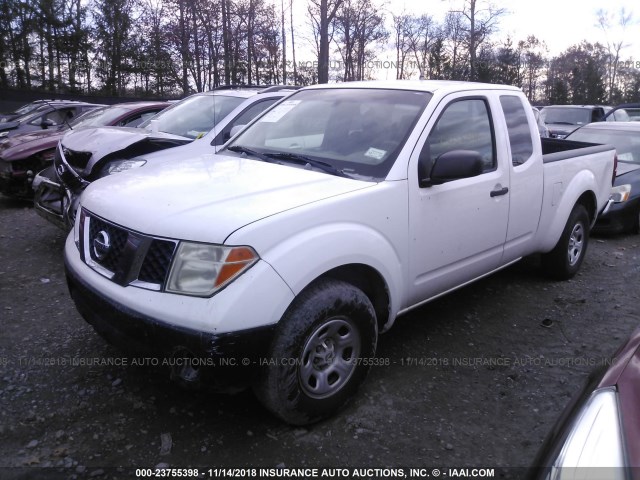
<point>560,23</point>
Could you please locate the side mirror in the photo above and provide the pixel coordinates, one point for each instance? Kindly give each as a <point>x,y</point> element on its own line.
<point>454,165</point>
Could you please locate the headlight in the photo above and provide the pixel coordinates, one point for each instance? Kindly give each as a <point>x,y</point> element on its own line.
<point>201,269</point>
<point>595,440</point>
<point>79,227</point>
<point>621,193</point>
<point>117,166</point>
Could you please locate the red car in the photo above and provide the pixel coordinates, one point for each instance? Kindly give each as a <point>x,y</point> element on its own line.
<point>22,156</point>
<point>598,434</point>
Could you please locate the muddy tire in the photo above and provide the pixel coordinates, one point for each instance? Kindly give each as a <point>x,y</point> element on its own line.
<point>318,355</point>
<point>564,261</point>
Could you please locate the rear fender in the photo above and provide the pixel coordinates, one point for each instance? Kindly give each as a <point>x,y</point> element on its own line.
<point>560,201</point>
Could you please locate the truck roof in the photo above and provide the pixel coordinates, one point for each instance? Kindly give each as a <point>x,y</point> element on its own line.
<point>421,85</point>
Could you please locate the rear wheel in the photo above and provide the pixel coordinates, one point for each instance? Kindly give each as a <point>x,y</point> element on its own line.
<point>564,261</point>
<point>316,359</point>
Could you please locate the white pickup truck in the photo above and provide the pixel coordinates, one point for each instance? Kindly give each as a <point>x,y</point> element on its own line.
<point>285,255</point>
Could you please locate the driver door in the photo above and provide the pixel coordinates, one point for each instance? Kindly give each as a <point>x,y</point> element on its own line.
<point>458,228</point>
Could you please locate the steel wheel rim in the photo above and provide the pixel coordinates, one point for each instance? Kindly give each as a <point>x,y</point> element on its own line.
<point>329,357</point>
<point>576,244</point>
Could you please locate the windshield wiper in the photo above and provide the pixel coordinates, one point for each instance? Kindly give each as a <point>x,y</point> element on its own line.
<point>319,164</point>
<point>249,151</point>
<point>563,123</point>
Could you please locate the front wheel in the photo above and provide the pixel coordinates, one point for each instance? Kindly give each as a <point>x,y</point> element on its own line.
<point>318,357</point>
<point>564,261</point>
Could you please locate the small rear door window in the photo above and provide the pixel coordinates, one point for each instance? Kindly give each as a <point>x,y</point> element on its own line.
<point>518,128</point>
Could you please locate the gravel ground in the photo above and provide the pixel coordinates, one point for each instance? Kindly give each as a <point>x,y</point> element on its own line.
<point>475,379</point>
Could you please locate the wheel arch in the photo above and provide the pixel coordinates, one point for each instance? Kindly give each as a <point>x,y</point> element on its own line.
<point>372,284</point>
<point>588,201</point>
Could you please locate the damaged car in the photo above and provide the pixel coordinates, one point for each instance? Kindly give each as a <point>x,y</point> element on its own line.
<point>84,156</point>
<point>22,156</point>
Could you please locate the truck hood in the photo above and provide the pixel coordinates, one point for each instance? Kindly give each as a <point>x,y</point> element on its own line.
<point>102,141</point>
<point>21,146</point>
<point>208,197</point>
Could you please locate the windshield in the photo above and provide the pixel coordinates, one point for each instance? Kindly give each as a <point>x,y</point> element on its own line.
<point>194,116</point>
<point>98,117</point>
<point>627,143</point>
<point>571,116</point>
<point>358,132</point>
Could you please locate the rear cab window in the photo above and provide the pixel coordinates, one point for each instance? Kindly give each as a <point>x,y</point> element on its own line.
<point>518,128</point>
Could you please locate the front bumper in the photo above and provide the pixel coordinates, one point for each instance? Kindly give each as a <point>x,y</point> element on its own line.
<point>236,356</point>
<point>233,328</point>
<point>50,201</point>
<point>621,217</point>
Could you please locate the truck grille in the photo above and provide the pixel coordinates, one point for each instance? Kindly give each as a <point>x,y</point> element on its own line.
<point>157,261</point>
<point>125,256</point>
<point>117,240</point>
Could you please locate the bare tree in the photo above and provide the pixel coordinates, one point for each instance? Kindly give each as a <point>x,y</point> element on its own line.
<point>614,47</point>
<point>293,45</point>
<point>359,25</point>
<point>481,20</point>
<point>421,36</point>
<point>533,53</point>
<point>454,35</point>
<point>323,12</point>
<point>401,42</point>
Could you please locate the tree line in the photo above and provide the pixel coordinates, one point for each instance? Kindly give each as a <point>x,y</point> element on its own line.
<point>165,48</point>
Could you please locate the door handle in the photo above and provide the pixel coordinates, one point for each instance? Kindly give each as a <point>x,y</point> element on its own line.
<point>500,191</point>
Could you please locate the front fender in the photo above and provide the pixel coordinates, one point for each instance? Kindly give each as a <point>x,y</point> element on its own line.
<point>304,257</point>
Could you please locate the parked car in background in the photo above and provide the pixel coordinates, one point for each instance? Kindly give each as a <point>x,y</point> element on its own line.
<point>624,214</point>
<point>49,115</point>
<point>22,156</point>
<point>561,120</point>
<point>87,155</point>
<point>598,434</point>
<point>6,117</point>
<point>627,112</point>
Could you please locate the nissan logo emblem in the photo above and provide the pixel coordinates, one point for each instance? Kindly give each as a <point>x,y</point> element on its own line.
<point>101,245</point>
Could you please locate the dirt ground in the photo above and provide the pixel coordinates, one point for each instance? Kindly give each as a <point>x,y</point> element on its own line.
<point>475,379</point>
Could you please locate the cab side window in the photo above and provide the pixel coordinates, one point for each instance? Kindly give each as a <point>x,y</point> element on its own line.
<point>518,129</point>
<point>464,124</point>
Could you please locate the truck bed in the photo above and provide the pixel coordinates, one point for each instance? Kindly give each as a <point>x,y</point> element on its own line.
<point>554,149</point>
